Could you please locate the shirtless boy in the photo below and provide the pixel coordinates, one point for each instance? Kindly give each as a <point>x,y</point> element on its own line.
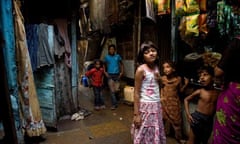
<point>201,121</point>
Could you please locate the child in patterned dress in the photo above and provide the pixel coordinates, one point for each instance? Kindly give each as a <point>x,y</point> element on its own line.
<point>172,86</point>
<point>147,126</point>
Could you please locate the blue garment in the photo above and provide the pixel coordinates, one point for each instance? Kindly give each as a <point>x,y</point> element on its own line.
<point>113,78</point>
<point>112,62</point>
<point>114,99</point>
<point>32,42</point>
<point>99,99</point>
<point>45,53</point>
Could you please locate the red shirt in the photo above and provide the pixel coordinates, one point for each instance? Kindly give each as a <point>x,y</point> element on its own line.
<point>96,76</point>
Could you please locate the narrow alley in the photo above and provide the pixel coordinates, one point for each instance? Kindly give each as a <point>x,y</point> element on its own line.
<point>46,46</point>
<point>100,127</point>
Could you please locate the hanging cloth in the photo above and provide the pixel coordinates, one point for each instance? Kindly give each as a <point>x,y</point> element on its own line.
<point>32,42</point>
<point>163,6</point>
<point>150,11</point>
<point>45,54</point>
<point>97,15</point>
<point>31,113</point>
<point>62,26</point>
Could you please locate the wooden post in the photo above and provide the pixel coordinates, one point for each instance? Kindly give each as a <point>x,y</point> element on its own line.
<point>137,30</point>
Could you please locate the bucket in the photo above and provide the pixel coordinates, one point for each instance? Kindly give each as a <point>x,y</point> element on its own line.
<point>129,93</point>
<point>84,81</point>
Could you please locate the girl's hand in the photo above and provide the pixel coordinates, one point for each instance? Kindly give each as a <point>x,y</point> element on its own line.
<point>137,121</point>
<point>157,76</point>
<point>190,119</point>
<point>107,75</point>
<point>162,100</point>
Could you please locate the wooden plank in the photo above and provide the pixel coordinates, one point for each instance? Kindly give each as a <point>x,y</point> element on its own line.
<point>44,81</point>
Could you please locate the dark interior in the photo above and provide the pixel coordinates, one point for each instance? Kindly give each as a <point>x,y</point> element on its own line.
<point>40,9</point>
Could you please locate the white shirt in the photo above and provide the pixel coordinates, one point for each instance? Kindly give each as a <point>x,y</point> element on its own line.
<point>150,87</point>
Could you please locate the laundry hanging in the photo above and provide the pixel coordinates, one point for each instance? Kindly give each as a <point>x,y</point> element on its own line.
<point>32,122</point>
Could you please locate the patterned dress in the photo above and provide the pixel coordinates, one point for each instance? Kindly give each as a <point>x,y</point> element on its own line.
<point>226,128</point>
<point>227,124</point>
<point>152,128</point>
<point>172,114</point>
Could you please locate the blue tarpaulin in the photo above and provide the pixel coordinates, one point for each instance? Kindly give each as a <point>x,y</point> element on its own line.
<point>7,28</point>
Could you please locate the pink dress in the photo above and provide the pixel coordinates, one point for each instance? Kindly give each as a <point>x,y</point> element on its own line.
<point>152,128</point>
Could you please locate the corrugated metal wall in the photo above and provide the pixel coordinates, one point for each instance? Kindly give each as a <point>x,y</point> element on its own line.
<point>159,33</point>
<point>164,37</point>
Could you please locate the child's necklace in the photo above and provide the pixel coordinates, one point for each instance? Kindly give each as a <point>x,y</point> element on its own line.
<point>171,81</point>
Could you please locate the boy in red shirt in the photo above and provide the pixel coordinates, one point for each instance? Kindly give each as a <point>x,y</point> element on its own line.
<point>96,75</point>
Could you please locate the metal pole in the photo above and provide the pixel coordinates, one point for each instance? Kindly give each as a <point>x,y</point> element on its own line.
<point>173,32</point>
<point>74,62</point>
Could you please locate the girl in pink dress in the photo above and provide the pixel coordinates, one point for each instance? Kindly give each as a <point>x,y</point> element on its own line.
<point>147,126</point>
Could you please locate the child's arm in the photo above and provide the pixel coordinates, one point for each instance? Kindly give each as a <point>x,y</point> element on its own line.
<point>105,69</point>
<point>161,94</point>
<point>162,99</point>
<point>183,86</point>
<point>186,104</point>
<point>103,75</point>
<point>137,87</point>
<point>218,71</point>
<point>88,73</point>
<point>121,69</point>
